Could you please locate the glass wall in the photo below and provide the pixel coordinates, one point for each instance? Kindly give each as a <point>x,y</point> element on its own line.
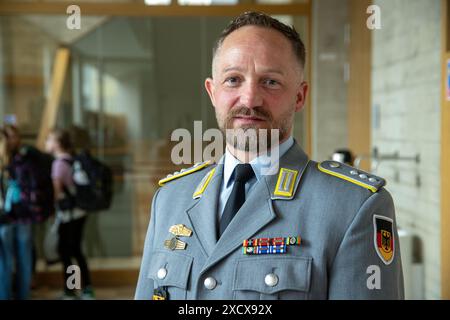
<point>130,83</point>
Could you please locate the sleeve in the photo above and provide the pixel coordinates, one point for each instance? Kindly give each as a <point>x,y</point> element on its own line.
<point>368,264</point>
<point>59,169</point>
<point>144,288</point>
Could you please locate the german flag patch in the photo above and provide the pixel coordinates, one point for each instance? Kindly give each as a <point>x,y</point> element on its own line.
<point>384,238</point>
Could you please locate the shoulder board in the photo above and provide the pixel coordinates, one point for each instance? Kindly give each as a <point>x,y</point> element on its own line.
<point>184,172</point>
<point>353,175</point>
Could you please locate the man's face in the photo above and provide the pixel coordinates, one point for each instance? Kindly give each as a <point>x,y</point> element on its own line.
<point>257,82</point>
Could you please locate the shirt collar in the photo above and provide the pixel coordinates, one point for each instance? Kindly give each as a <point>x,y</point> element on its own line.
<point>259,164</point>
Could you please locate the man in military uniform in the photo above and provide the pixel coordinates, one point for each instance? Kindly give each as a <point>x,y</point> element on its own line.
<point>230,231</point>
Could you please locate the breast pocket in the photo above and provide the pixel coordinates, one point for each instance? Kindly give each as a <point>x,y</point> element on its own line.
<point>271,278</point>
<point>171,270</point>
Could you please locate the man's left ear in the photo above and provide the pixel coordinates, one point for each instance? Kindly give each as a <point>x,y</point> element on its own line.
<point>209,86</point>
<point>301,96</point>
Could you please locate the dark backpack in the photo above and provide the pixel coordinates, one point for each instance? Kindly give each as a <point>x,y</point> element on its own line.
<point>31,169</point>
<point>93,183</point>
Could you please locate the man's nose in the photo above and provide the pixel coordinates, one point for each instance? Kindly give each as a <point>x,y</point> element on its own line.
<point>251,95</point>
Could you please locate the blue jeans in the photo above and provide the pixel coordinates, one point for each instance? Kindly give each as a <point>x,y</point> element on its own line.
<point>3,284</point>
<point>16,245</point>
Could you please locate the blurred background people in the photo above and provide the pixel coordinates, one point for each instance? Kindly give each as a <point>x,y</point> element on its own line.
<point>16,237</point>
<point>71,220</point>
<point>4,282</point>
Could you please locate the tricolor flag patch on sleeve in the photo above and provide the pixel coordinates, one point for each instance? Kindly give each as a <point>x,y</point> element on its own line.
<point>384,238</point>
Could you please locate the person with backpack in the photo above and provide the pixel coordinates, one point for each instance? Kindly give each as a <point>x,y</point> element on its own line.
<point>4,289</point>
<point>71,218</point>
<point>24,202</point>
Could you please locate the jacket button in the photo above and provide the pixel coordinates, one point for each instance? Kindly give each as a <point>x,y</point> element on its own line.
<point>271,280</point>
<point>162,272</point>
<point>210,283</point>
<point>335,165</point>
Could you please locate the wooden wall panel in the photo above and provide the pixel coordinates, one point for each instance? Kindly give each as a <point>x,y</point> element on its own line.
<point>359,85</point>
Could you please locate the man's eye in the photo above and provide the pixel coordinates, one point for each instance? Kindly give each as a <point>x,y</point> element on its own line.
<point>271,83</point>
<point>232,81</point>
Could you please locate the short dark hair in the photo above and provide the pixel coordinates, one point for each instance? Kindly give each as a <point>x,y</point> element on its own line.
<point>63,138</point>
<point>252,18</point>
<point>10,129</point>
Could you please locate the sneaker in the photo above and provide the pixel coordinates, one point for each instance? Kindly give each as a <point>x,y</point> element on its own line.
<point>69,295</point>
<point>88,293</point>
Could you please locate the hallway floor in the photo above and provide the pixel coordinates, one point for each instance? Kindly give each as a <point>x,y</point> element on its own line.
<point>101,293</point>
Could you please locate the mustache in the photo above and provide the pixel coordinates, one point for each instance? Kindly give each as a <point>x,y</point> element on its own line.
<point>256,112</point>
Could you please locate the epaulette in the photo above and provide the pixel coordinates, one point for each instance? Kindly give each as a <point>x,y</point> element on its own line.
<point>353,175</point>
<point>184,172</point>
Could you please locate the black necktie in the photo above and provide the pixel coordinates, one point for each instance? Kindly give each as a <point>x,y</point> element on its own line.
<point>242,173</point>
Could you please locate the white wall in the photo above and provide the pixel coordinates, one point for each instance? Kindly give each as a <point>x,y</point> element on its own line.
<point>329,87</point>
<point>406,118</point>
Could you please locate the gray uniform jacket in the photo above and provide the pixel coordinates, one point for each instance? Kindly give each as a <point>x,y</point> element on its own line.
<point>349,246</point>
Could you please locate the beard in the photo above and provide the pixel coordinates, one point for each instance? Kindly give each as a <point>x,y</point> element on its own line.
<point>254,137</point>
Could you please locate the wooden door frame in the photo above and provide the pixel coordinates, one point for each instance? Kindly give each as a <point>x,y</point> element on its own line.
<point>139,9</point>
<point>359,84</point>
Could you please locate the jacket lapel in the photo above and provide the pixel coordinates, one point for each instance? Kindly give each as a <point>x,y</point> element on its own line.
<point>203,215</point>
<point>294,162</point>
<point>255,213</point>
